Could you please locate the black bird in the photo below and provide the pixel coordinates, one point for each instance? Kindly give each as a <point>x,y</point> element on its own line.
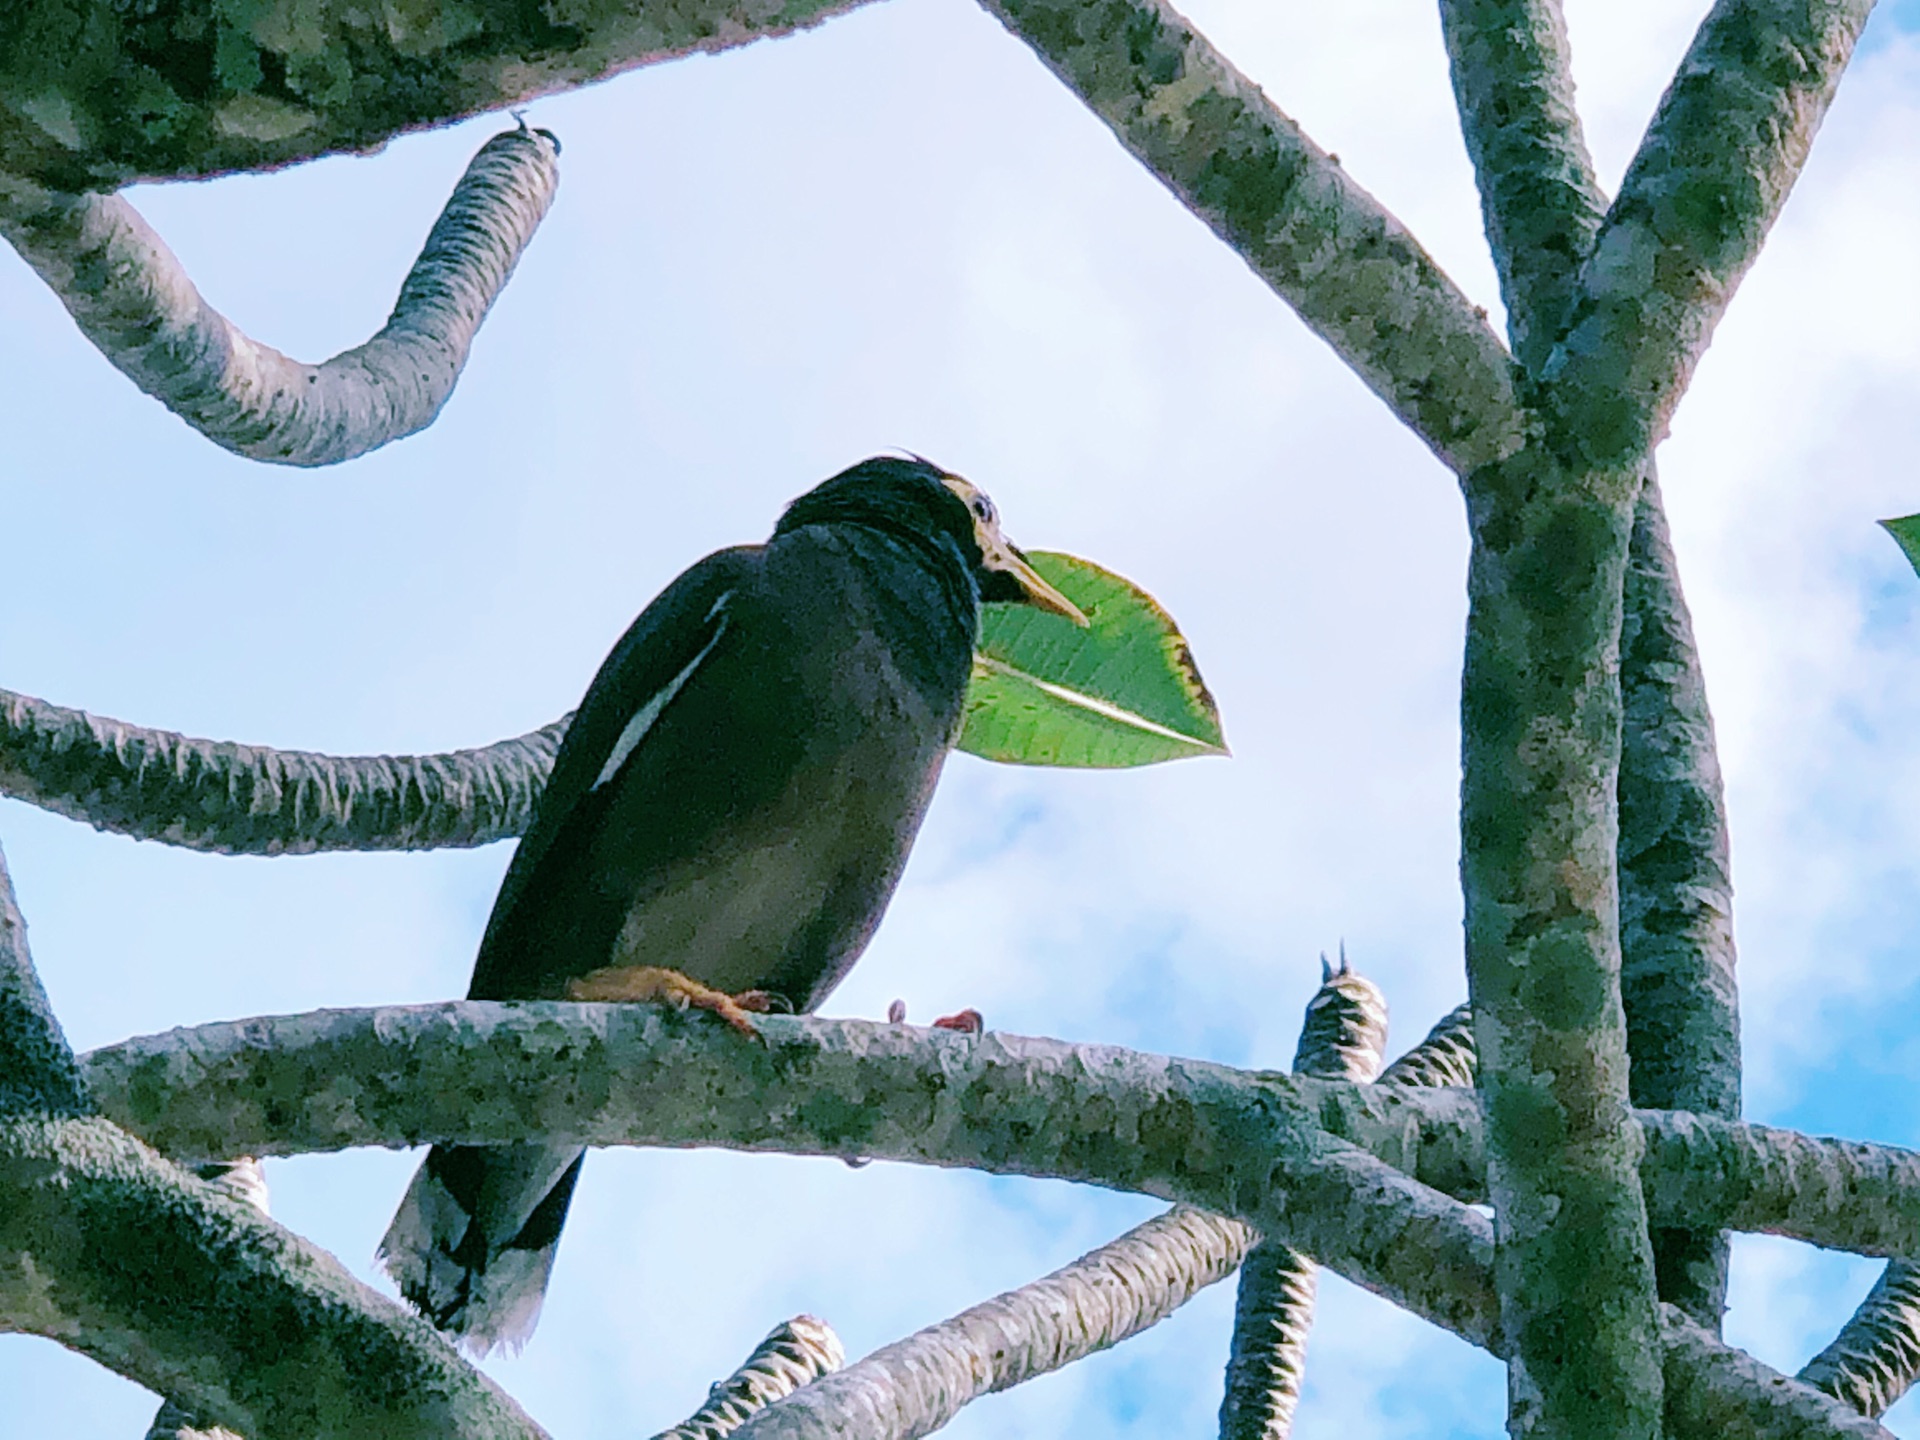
<point>729,812</point>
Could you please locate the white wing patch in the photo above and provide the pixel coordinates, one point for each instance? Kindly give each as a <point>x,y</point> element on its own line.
<point>643,718</point>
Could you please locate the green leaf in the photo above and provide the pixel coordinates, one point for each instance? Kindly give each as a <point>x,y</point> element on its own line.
<point>1123,691</point>
<point>1906,530</point>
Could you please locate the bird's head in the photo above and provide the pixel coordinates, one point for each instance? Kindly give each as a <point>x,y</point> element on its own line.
<point>918,498</point>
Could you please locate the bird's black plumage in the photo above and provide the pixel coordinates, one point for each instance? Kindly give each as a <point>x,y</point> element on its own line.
<point>735,800</point>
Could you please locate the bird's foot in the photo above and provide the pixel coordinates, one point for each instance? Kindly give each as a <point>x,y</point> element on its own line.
<point>656,985</point>
<point>967,1022</point>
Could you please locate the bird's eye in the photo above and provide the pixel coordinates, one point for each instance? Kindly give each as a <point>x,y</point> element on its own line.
<point>983,509</point>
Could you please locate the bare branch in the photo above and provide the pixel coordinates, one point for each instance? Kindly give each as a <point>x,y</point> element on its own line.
<point>1326,246</point>
<point>1513,84</point>
<point>1714,1390</point>
<point>1446,1058</point>
<point>232,799</point>
<point>1344,1038</point>
<point>913,1387</point>
<point>135,302</point>
<point>113,1252</point>
<point>1709,180</point>
<point>1678,984</point>
<point>38,1073</point>
<point>180,89</point>
<point>797,1353</point>
<point>1875,1358</point>
<point>470,1072</point>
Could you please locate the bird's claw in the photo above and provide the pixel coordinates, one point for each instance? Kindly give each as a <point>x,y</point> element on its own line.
<point>657,985</point>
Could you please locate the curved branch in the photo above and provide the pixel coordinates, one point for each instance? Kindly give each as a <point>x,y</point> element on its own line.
<point>914,1386</point>
<point>180,89</point>
<point>474,1072</point>
<point>1875,1358</point>
<point>38,1072</point>
<point>1325,246</point>
<point>1513,86</point>
<point>1706,185</point>
<point>1344,1038</point>
<point>113,1252</point>
<point>231,799</point>
<point>134,301</point>
<point>796,1353</point>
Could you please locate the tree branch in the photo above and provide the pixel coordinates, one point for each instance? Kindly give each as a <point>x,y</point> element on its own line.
<point>38,1073</point>
<point>1344,1038</point>
<point>795,1354</point>
<point>1325,246</point>
<point>1714,1391</point>
<point>478,1073</point>
<point>135,302</point>
<point>915,1386</point>
<point>1513,86</point>
<point>103,94</point>
<point>1875,1358</point>
<point>115,1253</point>
<point>1677,980</point>
<point>232,799</point>
<point>1709,180</point>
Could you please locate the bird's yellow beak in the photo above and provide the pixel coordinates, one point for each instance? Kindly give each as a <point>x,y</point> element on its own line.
<point>999,553</point>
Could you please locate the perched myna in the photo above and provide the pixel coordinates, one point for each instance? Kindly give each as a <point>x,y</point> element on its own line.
<point>727,817</point>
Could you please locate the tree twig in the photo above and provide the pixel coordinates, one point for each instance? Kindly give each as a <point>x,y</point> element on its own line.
<point>38,1072</point>
<point>916,1385</point>
<point>132,298</point>
<point>796,1353</point>
<point>1285,206</point>
<point>1344,1037</point>
<point>1875,1358</point>
<point>231,799</point>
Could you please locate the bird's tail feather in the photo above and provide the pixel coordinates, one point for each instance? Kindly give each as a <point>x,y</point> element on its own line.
<point>472,1243</point>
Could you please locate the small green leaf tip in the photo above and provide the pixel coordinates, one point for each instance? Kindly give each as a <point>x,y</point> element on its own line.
<point>1906,531</point>
<point>1123,691</point>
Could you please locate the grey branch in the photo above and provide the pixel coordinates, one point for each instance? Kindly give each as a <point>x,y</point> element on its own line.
<point>100,102</point>
<point>38,1073</point>
<point>131,297</point>
<point>1706,185</point>
<point>796,1353</point>
<point>1325,246</point>
<point>1446,1058</point>
<point>1513,86</point>
<point>1875,1358</point>
<point>1714,1390</point>
<point>915,1386</point>
<point>232,799</point>
<point>1677,979</point>
<point>113,1252</point>
<point>1344,1038</point>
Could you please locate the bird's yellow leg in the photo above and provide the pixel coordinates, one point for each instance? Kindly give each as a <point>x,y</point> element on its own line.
<point>656,985</point>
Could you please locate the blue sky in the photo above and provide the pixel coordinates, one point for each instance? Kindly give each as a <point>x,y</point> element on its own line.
<point>899,230</point>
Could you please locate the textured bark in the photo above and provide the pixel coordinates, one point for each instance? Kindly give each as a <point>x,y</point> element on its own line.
<point>38,1073</point>
<point>95,94</point>
<point>1327,247</point>
<point>131,297</point>
<point>797,1353</point>
<point>471,1072</point>
<point>1875,1358</point>
<point>1541,750</point>
<point>913,1387</point>
<point>231,799</point>
<point>1344,1038</point>
<point>1677,982</point>
<point>113,1252</point>
<point>1446,1058</point>
<point>1704,188</point>
<point>1715,1390</point>
<point>1513,85</point>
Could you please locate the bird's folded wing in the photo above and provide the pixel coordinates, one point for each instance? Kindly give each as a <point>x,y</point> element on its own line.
<point>647,668</point>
